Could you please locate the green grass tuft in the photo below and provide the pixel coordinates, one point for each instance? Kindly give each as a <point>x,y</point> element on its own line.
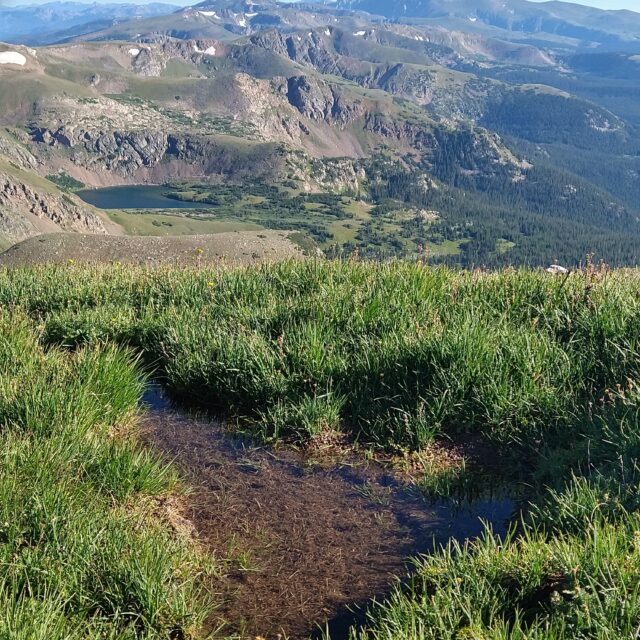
<point>83,553</point>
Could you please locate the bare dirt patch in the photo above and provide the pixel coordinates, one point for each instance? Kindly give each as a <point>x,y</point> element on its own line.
<point>302,541</point>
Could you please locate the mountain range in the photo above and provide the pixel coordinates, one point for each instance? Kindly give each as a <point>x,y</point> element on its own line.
<point>560,23</point>
<point>56,21</point>
<point>490,132</point>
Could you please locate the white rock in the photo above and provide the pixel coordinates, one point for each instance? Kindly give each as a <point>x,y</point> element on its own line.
<point>556,268</point>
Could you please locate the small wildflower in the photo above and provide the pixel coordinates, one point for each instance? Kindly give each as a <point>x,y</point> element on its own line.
<point>71,261</point>
<point>209,284</point>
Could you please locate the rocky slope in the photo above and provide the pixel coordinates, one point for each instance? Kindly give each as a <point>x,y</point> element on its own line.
<point>117,113</point>
<point>27,210</point>
<point>30,204</point>
<point>238,248</point>
<point>435,77</point>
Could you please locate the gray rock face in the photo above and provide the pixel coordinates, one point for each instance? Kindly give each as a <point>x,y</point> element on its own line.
<point>18,154</point>
<point>415,136</point>
<point>336,175</point>
<point>44,211</point>
<point>415,84</point>
<point>316,50</point>
<point>146,64</point>
<point>318,101</point>
<point>125,153</point>
<point>332,54</point>
<point>117,150</point>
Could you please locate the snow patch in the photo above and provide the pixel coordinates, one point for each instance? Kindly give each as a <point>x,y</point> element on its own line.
<point>12,57</point>
<point>327,32</point>
<point>134,52</point>
<point>209,51</point>
<point>359,33</point>
<point>209,14</point>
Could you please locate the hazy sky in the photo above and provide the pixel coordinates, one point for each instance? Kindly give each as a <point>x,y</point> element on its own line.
<point>634,5</point>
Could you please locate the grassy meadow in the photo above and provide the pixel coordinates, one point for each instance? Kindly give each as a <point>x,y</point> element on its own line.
<point>85,547</point>
<point>391,356</point>
<point>340,224</point>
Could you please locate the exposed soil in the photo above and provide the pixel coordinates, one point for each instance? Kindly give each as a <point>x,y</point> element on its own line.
<point>303,542</point>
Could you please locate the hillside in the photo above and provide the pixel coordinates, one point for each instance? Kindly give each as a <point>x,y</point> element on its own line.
<point>30,204</point>
<point>116,114</point>
<point>223,248</point>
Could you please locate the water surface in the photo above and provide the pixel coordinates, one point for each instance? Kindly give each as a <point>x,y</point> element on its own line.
<point>302,542</point>
<point>139,196</point>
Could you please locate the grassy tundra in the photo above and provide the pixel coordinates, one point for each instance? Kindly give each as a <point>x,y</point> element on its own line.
<point>547,368</point>
<point>84,551</point>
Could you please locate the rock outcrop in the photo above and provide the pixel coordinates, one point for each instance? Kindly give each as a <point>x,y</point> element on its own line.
<point>26,211</point>
<point>317,100</point>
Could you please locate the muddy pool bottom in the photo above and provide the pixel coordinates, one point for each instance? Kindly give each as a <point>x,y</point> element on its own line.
<point>305,546</point>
